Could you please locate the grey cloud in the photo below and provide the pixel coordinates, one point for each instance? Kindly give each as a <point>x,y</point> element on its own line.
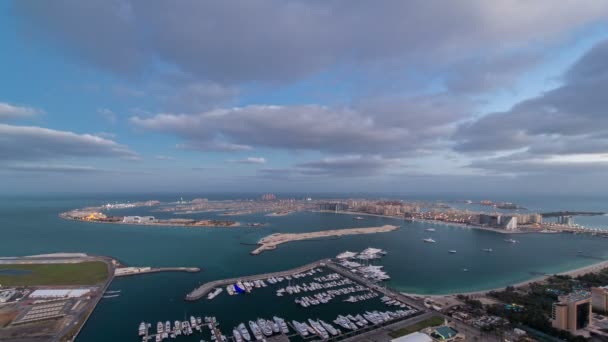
<point>337,166</point>
<point>389,127</point>
<point>569,119</point>
<point>25,143</point>
<point>8,111</point>
<point>347,166</point>
<point>486,73</point>
<point>274,40</point>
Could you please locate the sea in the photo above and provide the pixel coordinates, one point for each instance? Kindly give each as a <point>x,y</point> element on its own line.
<point>29,224</point>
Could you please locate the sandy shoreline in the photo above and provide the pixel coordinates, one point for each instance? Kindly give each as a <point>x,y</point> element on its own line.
<point>573,273</point>
<point>271,242</point>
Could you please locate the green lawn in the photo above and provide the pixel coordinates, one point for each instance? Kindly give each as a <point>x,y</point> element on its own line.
<point>429,322</point>
<point>84,273</point>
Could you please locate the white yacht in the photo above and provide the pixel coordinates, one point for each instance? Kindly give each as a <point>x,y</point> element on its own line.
<point>142,329</point>
<point>244,332</point>
<point>429,240</point>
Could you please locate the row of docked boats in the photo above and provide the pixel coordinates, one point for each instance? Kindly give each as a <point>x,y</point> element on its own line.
<point>248,286</point>
<point>361,297</point>
<point>393,302</point>
<point>244,286</point>
<point>260,329</point>
<point>349,322</point>
<point>186,328</point>
<point>166,330</point>
<point>312,286</point>
<point>315,327</point>
<point>326,296</point>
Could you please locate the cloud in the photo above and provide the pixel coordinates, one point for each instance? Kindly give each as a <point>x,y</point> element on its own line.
<point>347,166</point>
<point>162,157</point>
<point>108,115</point>
<point>249,160</point>
<point>58,168</point>
<point>382,126</point>
<point>8,111</point>
<point>30,143</point>
<point>282,41</point>
<point>569,119</point>
<point>338,166</point>
<point>527,165</point>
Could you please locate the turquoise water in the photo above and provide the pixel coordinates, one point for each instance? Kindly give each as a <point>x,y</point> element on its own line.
<point>31,226</point>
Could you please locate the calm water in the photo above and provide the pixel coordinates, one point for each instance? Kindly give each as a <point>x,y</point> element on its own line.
<point>31,226</point>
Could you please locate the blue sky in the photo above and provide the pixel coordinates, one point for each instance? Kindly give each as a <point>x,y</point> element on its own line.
<point>300,96</point>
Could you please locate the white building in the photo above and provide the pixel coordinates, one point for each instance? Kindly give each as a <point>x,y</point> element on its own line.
<point>413,337</point>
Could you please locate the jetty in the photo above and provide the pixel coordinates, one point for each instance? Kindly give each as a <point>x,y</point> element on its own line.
<point>204,289</point>
<point>271,242</point>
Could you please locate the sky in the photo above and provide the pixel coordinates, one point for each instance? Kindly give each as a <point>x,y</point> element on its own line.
<point>503,96</point>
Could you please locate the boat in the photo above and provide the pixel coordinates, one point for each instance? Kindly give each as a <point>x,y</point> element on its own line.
<point>159,328</point>
<point>215,292</point>
<point>452,251</point>
<point>167,326</point>
<point>344,323</point>
<point>236,335</point>
<point>158,338</point>
<point>465,270</point>
<point>282,324</point>
<point>300,328</point>
<point>358,218</point>
<point>511,241</point>
<point>142,328</point>
<point>329,328</point>
<point>429,240</point>
<point>430,229</point>
<point>487,250</point>
<point>266,329</point>
<point>177,327</point>
<point>255,329</point>
<point>244,332</point>
<point>318,328</point>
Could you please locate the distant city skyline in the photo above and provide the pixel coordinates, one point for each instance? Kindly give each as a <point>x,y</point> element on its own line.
<point>296,96</point>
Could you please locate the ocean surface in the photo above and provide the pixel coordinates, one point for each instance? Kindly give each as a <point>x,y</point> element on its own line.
<point>30,225</point>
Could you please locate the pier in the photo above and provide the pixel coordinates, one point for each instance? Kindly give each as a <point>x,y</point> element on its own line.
<point>271,242</point>
<point>204,289</point>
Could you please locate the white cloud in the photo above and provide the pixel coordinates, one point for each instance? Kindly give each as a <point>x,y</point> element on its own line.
<point>8,111</point>
<point>249,160</point>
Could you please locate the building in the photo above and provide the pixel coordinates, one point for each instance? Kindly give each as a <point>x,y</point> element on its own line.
<point>413,337</point>
<point>599,299</point>
<point>138,219</point>
<point>333,206</point>
<point>566,220</point>
<point>444,333</point>
<point>572,312</point>
<point>508,222</point>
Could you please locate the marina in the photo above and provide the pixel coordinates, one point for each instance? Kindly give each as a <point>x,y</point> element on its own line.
<point>323,283</point>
